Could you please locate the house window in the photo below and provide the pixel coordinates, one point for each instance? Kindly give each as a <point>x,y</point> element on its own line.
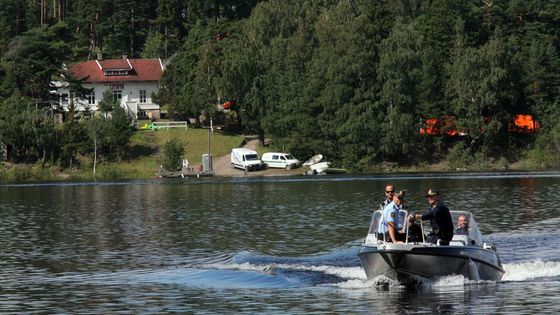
<point>116,72</point>
<point>118,95</point>
<point>142,115</point>
<point>91,97</point>
<point>116,86</point>
<point>142,96</point>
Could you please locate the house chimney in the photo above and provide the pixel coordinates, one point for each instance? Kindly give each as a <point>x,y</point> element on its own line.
<point>99,56</point>
<point>124,56</point>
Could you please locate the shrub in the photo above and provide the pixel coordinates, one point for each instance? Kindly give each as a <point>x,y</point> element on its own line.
<point>173,152</point>
<point>460,156</point>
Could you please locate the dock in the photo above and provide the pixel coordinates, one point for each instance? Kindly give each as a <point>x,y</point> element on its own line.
<point>184,172</point>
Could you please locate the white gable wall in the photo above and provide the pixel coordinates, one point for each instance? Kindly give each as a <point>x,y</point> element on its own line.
<point>130,93</point>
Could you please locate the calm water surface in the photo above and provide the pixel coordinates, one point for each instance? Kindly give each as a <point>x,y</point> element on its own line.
<point>261,245</point>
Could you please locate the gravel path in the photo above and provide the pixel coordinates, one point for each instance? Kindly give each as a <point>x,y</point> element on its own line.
<point>222,166</point>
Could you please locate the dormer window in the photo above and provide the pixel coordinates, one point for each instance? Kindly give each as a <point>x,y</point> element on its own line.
<point>112,72</point>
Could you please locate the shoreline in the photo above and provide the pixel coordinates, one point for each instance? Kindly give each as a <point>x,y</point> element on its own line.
<point>19,173</point>
<point>26,174</point>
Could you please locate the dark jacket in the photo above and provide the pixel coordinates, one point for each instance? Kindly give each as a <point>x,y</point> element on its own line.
<point>440,219</point>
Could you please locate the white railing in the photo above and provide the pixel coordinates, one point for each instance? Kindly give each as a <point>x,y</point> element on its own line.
<point>165,125</point>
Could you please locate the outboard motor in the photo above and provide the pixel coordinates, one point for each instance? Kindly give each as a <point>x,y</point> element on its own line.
<point>473,271</point>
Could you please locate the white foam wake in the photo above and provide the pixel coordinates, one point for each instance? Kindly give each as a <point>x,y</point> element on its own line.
<point>531,270</point>
<point>341,272</point>
<point>356,278</point>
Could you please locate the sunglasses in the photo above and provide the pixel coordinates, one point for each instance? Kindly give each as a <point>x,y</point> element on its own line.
<point>389,191</point>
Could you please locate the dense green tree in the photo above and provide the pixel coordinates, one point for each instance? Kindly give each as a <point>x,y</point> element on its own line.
<point>156,46</point>
<point>169,26</point>
<point>119,131</point>
<point>351,79</point>
<point>128,27</point>
<point>400,71</point>
<point>97,130</point>
<point>108,103</point>
<point>34,58</point>
<point>480,91</point>
<point>10,22</point>
<point>48,137</point>
<point>17,126</point>
<point>542,81</point>
<point>173,152</point>
<point>74,140</point>
<point>90,20</point>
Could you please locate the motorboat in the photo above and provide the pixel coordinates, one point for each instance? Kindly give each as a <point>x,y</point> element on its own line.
<point>414,260</point>
<point>313,160</point>
<point>316,166</point>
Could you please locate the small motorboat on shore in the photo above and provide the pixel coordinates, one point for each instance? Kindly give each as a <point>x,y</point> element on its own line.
<point>409,262</point>
<point>316,166</point>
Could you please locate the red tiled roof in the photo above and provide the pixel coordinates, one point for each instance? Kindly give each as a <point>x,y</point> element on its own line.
<point>115,64</point>
<point>142,70</point>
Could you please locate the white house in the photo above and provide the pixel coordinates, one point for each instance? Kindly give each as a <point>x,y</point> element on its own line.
<point>132,81</point>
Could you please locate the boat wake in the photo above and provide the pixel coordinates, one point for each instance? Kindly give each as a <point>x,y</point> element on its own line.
<point>531,270</point>
<point>337,269</point>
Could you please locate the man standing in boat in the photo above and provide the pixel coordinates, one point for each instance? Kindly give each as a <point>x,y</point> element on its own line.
<point>389,194</point>
<point>388,225</point>
<point>440,219</point>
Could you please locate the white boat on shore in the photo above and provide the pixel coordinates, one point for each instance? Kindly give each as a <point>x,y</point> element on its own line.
<point>313,160</point>
<point>317,166</point>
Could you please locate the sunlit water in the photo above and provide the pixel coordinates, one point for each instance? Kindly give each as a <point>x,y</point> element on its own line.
<point>262,245</point>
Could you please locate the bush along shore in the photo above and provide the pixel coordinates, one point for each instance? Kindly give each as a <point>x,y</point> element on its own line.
<point>141,157</point>
<point>145,153</point>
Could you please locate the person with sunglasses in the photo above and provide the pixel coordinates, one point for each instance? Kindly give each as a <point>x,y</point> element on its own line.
<point>389,194</point>
<point>388,229</point>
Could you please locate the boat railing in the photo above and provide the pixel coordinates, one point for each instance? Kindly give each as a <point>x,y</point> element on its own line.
<point>403,228</point>
<point>422,231</point>
<point>375,237</point>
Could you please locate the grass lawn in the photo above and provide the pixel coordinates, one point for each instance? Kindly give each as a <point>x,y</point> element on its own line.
<point>146,151</point>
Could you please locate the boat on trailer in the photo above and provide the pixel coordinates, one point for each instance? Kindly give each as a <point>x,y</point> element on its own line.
<point>412,261</point>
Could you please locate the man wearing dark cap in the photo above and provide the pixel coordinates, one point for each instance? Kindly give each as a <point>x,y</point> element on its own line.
<point>440,219</point>
<point>389,223</point>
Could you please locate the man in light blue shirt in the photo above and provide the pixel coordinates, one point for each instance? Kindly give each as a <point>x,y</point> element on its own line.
<point>389,194</point>
<point>388,225</point>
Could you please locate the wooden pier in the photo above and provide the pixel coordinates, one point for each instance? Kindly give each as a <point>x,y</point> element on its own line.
<point>184,172</point>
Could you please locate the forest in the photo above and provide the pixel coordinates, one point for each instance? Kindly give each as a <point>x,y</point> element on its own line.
<point>354,80</point>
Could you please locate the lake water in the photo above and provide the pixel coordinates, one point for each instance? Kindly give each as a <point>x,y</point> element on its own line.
<point>262,245</point>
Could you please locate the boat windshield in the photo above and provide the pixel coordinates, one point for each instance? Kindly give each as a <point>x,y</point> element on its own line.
<point>375,223</point>
<point>473,231</point>
<point>473,237</point>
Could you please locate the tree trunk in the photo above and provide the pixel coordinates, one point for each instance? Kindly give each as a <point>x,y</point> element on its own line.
<point>42,12</point>
<point>92,37</point>
<point>44,159</point>
<point>261,137</point>
<point>216,10</point>
<point>94,154</point>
